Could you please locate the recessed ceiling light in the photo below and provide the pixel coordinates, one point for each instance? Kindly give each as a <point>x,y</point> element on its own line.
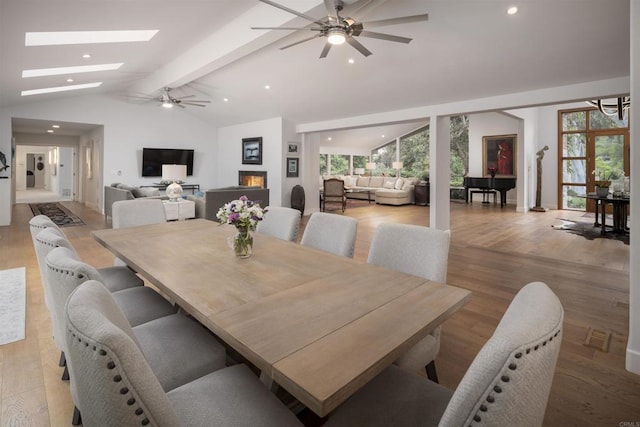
<point>55,126</point>
<point>59,89</point>
<point>225,99</point>
<point>267,87</point>
<point>70,70</point>
<point>69,80</point>
<point>512,10</point>
<point>86,56</point>
<point>351,61</point>
<point>49,130</point>
<point>329,139</point>
<point>51,38</point>
<point>381,136</point>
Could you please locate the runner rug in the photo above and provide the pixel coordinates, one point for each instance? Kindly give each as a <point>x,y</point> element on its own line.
<point>12,305</point>
<point>60,215</point>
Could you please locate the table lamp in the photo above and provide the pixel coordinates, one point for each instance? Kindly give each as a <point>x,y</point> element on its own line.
<point>359,171</point>
<point>174,174</point>
<point>371,166</point>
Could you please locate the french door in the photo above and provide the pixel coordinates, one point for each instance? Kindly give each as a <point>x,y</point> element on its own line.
<point>589,141</point>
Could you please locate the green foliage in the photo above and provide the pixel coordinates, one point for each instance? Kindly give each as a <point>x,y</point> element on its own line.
<point>414,153</point>
<point>323,164</point>
<point>383,157</point>
<point>339,164</point>
<point>459,141</point>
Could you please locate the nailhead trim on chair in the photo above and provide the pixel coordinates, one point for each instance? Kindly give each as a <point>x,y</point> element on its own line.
<point>505,378</point>
<point>69,272</point>
<point>117,378</point>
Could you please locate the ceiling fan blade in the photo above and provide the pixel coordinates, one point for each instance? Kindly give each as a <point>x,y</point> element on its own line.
<point>186,96</point>
<point>325,50</point>
<point>358,46</point>
<point>192,104</point>
<point>300,41</point>
<point>195,100</point>
<point>332,11</point>
<point>396,21</point>
<point>381,36</point>
<point>286,28</point>
<point>286,9</point>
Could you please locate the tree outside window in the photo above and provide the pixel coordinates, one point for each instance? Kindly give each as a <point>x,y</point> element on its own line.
<point>323,164</point>
<point>414,154</point>
<point>383,157</point>
<point>339,164</point>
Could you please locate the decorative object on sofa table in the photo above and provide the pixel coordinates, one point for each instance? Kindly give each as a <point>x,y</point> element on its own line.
<point>174,174</point>
<point>244,214</point>
<point>370,166</point>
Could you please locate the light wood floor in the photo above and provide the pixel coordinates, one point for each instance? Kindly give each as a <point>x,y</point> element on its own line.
<point>494,252</point>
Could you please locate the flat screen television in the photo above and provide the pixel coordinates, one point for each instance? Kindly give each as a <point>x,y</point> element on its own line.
<point>154,158</point>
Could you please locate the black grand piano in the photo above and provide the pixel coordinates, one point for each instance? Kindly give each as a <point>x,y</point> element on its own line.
<point>500,184</point>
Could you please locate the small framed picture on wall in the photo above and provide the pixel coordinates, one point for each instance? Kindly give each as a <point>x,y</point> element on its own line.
<point>293,149</point>
<point>293,167</point>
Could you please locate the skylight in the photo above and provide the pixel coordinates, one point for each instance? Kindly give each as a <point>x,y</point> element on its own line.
<point>59,89</point>
<point>70,70</point>
<point>86,37</point>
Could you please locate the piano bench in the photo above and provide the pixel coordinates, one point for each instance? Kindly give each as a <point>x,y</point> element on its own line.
<point>485,195</point>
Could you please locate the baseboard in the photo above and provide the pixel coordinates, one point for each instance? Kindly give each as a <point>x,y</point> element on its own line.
<point>633,361</point>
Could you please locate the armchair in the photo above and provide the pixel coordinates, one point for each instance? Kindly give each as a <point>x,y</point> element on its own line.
<point>333,191</point>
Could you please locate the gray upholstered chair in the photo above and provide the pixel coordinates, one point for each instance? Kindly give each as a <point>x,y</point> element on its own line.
<point>507,384</point>
<point>280,222</point>
<point>423,252</point>
<point>134,213</point>
<point>117,386</point>
<point>65,272</point>
<point>331,233</point>
<point>333,192</point>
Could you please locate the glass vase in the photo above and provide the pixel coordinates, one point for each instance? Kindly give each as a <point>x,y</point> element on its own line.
<point>243,243</point>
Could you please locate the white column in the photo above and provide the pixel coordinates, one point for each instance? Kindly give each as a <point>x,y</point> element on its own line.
<point>439,172</point>
<point>633,344</point>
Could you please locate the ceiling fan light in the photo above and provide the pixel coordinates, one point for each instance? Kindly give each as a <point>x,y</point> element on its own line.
<point>167,104</point>
<point>336,36</point>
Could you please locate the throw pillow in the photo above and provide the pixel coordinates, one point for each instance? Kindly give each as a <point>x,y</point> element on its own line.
<point>388,184</point>
<point>363,181</point>
<point>145,192</point>
<point>399,184</point>
<point>407,185</point>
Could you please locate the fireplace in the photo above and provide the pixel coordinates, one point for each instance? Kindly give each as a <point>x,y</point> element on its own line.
<point>252,178</point>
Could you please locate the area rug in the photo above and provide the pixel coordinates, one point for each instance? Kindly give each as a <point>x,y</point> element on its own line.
<point>60,215</point>
<point>588,231</point>
<point>12,305</point>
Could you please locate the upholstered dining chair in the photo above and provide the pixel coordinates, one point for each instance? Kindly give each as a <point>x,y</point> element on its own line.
<point>134,213</point>
<point>507,384</point>
<point>65,272</point>
<point>331,233</point>
<point>423,252</point>
<point>117,386</point>
<point>333,191</point>
<point>280,222</point>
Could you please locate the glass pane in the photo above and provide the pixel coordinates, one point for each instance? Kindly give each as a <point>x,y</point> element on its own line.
<point>609,157</point>
<point>597,120</point>
<point>323,164</point>
<point>414,154</point>
<point>576,120</point>
<point>573,197</point>
<point>360,161</point>
<point>383,157</point>
<point>574,171</point>
<point>339,164</point>
<point>459,142</point>
<point>574,145</point>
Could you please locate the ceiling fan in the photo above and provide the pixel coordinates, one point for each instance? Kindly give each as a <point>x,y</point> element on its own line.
<point>338,29</point>
<point>169,101</point>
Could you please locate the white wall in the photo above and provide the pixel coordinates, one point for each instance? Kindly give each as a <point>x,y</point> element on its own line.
<point>230,154</point>
<point>127,129</point>
<point>290,135</point>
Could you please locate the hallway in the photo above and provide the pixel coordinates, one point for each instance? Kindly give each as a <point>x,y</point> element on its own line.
<point>38,195</point>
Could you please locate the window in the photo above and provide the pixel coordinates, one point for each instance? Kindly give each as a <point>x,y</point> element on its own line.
<point>459,143</point>
<point>323,164</point>
<point>414,154</point>
<point>383,157</point>
<point>339,164</point>
<point>360,162</point>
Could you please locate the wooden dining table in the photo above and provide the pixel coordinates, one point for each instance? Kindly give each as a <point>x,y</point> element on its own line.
<point>317,324</point>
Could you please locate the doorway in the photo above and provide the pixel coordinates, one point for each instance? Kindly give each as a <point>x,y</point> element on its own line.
<point>592,146</point>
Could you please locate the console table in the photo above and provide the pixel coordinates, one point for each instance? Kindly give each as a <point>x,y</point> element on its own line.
<point>620,213</point>
<point>192,187</point>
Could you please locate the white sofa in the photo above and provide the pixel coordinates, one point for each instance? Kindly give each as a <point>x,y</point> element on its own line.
<point>385,190</point>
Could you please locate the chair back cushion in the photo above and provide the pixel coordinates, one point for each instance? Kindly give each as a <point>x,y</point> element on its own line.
<point>133,213</point>
<point>508,382</point>
<point>333,188</point>
<point>331,233</point>
<point>280,222</point>
<point>39,223</point>
<point>412,249</point>
<point>116,386</point>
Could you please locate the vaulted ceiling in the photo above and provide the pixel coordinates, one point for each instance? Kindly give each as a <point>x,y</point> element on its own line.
<point>467,49</point>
